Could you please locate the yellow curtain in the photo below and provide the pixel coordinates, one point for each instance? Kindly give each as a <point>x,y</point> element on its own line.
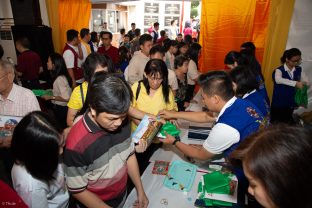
<point>53,14</point>
<point>73,14</point>
<point>226,24</point>
<point>279,22</point>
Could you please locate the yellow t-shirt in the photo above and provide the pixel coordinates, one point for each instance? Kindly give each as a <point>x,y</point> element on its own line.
<point>75,101</point>
<point>149,104</point>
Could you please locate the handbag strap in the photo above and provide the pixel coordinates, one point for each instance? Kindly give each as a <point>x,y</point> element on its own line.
<point>81,92</point>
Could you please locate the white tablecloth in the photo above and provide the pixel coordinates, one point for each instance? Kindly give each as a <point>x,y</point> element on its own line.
<point>156,192</point>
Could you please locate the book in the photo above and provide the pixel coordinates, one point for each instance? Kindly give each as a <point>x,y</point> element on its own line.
<point>146,130</point>
<point>160,167</point>
<point>7,124</point>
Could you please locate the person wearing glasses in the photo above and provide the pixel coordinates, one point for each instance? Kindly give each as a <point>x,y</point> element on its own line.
<point>151,95</point>
<point>287,78</point>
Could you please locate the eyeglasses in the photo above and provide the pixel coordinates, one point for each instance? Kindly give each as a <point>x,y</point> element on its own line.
<point>299,61</point>
<point>158,79</point>
<point>3,76</point>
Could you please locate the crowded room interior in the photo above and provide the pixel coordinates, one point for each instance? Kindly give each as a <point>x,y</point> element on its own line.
<point>155,103</point>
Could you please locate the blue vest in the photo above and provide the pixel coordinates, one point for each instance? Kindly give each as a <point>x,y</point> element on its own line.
<point>262,89</point>
<point>155,36</point>
<point>243,116</point>
<point>258,100</point>
<point>284,95</point>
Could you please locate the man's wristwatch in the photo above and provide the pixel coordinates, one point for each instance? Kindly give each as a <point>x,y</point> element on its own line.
<point>177,139</point>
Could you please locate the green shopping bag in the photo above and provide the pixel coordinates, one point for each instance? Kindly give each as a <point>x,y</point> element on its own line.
<point>217,182</point>
<point>301,96</point>
<point>170,129</point>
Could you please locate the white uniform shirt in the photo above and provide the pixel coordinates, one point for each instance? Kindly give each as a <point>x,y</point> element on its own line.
<point>222,136</point>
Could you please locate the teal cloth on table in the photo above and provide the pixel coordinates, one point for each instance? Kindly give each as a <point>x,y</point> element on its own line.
<point>39,92</point>
<point>301,96</point>
<point>170,129</point>
<point>181,176</point>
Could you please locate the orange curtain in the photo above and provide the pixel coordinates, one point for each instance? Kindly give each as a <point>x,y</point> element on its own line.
<point>52,8</point>
<point>226,24</point>
<point>279,22</point>
<point>73,14</point>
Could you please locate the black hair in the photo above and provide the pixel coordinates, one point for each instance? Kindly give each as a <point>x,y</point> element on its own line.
<point>234,56</point>
<point>110,35</point>
<point>288,54</point>
<point>60,68</point>
<point>217,83</point>
<point>1,51</point>
<point>179,60</point>
<point>144,38</point>
<point>84,32</point>
<point>24,41</point>
<point>36,145</point>
<point>71,34</point>
<point>101,33</point>
<point>180,34</point>
<point>181,45</point>
<point>162,33</point>
<point>165,44</point>
<point>193,52</point>
<point>168,43</point>
<point>157,49</point>
<point>127,35</point>
<point>94,37</point>
<point>92,61</point>
<point>123,53</point>
<point>245,80</point>
<point>108,93</point>
<point>153,67</point>
<point>132,23</point>
<point>250,47</point>
<point>122,31</point>
<point>280,157</point>
<point>188,39</point>
<point>247,58</point>
<point>156,24</point>
<point>137,32</point>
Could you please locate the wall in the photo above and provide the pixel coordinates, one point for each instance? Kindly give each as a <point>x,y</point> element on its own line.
<point>299,36</point>
<point>136,12</point>
<point>8,45</point>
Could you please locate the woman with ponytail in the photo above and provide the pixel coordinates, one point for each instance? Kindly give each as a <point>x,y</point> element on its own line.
<point>287,78</point>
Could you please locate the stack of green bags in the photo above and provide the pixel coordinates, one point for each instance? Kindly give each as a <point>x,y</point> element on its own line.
<point>215,182</point>
<point>40,92</point>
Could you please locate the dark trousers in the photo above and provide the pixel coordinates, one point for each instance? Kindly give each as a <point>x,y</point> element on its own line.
<point>7,159</point>
<point>31,84</point>
<point>60,113</point>
<point>143,158</point>
<point>282,115</point>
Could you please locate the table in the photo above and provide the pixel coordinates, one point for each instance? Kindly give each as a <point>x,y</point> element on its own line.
<point>156,192</point>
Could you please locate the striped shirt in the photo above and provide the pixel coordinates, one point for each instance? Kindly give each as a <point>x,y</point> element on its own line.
<point>19,102</point>
<point>96,160</point>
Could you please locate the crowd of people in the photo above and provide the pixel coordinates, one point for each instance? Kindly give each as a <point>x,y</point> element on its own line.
<point>79,152</point>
